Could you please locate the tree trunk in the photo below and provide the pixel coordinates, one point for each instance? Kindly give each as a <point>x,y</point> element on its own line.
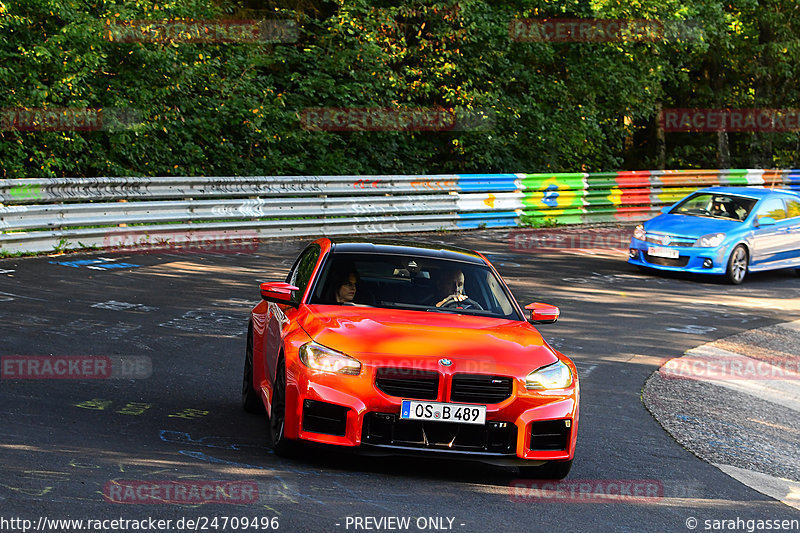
<point>723,150</point>
<point>661,142</point>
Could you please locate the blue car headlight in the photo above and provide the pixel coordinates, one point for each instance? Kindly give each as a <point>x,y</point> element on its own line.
<point>712,240</point>
<point>639,233</point>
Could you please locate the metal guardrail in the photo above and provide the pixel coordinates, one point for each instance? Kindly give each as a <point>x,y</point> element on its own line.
<point>39,215</point>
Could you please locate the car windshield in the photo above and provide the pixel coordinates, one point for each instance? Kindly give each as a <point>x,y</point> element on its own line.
<point>715,205</point>
<point>413,282</point>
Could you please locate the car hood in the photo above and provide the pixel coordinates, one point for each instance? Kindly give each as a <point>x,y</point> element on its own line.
<point>690,226</point>
<point>419,339</point>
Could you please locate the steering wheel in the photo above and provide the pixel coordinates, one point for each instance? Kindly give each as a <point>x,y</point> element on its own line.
<point>469,303</point>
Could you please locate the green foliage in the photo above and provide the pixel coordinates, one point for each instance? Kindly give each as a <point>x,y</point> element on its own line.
<point>217,108</point>
<point>539,222</point>
<point>63,244</point>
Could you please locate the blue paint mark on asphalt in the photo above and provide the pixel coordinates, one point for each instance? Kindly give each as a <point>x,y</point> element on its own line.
<point>205,457</point>
<point>97,264</point>
<point>179,437</point>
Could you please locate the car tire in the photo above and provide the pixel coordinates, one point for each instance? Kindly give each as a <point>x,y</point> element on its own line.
<point>277,416</point>
<point>737,265</point>
<point>550,470</point>
<point>251,401</point>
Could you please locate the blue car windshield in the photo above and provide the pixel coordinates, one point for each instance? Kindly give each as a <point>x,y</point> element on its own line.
<point>715,205</point>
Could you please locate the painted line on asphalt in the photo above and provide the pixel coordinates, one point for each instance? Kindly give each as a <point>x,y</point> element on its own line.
<point>784,490</point>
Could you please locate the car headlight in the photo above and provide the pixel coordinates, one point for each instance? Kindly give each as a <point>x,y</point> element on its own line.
<point>318,357</point>
<point>639,233</point>
<point>712,240</point>
<point>555,376</point>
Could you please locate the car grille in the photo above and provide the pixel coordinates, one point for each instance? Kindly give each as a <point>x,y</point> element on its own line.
<point>383,429</point>
<point>681,261</point>
<point>408,383</point>
<point>477,388</point>
<point>673,240</point>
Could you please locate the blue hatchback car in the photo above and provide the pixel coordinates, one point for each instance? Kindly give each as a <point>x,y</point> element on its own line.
<point>726,231</point>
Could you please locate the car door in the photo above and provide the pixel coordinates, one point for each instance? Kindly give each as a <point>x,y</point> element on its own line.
<point>770,242</point>
<point>793,222</point>
<point>280,316</point>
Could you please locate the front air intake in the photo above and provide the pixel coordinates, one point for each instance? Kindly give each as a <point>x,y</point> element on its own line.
<point>323,417</point>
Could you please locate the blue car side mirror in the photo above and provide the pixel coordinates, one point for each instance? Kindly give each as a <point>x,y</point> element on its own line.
<point>666,209</point>
<point>765,221</point>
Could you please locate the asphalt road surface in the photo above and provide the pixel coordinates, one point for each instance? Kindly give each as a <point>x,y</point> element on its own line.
<point>92,449</point>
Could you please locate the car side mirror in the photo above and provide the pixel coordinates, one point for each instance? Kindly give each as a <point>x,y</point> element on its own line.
<point>278,292</point>
<point>765,221</point>
<point>542,313</point>
<point>666,209</point>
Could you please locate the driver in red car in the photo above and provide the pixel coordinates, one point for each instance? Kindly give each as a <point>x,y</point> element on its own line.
<point>450,288</point>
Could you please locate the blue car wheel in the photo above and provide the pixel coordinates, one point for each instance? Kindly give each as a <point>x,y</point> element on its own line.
<point>737,265</point>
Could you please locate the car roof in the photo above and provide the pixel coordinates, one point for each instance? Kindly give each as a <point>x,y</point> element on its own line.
<point>750,192</point>
<point>399,247</point>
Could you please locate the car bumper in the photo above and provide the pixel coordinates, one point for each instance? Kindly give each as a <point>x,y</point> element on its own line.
<point>690,259</point>
<point>352,411</point>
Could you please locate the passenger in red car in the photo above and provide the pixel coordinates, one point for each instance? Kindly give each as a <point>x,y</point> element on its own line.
<point>343,286</point>
<point>347,289</point>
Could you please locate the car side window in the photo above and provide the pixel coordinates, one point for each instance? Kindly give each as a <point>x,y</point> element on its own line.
<point>302,270</point>
<point>772,207</point>
<point>793,207</point>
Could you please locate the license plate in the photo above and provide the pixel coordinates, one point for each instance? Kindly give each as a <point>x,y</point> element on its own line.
<point>658,251</point>
<point>443,412</point>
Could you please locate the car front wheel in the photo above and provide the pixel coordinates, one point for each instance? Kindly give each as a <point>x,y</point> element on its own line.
<point>737,265</point>
<point>277,416</point>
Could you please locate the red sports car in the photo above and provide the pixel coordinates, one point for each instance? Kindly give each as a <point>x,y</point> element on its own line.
<point>401,348</point>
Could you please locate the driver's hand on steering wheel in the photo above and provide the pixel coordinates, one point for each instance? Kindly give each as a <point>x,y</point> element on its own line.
<point>452,298</point>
